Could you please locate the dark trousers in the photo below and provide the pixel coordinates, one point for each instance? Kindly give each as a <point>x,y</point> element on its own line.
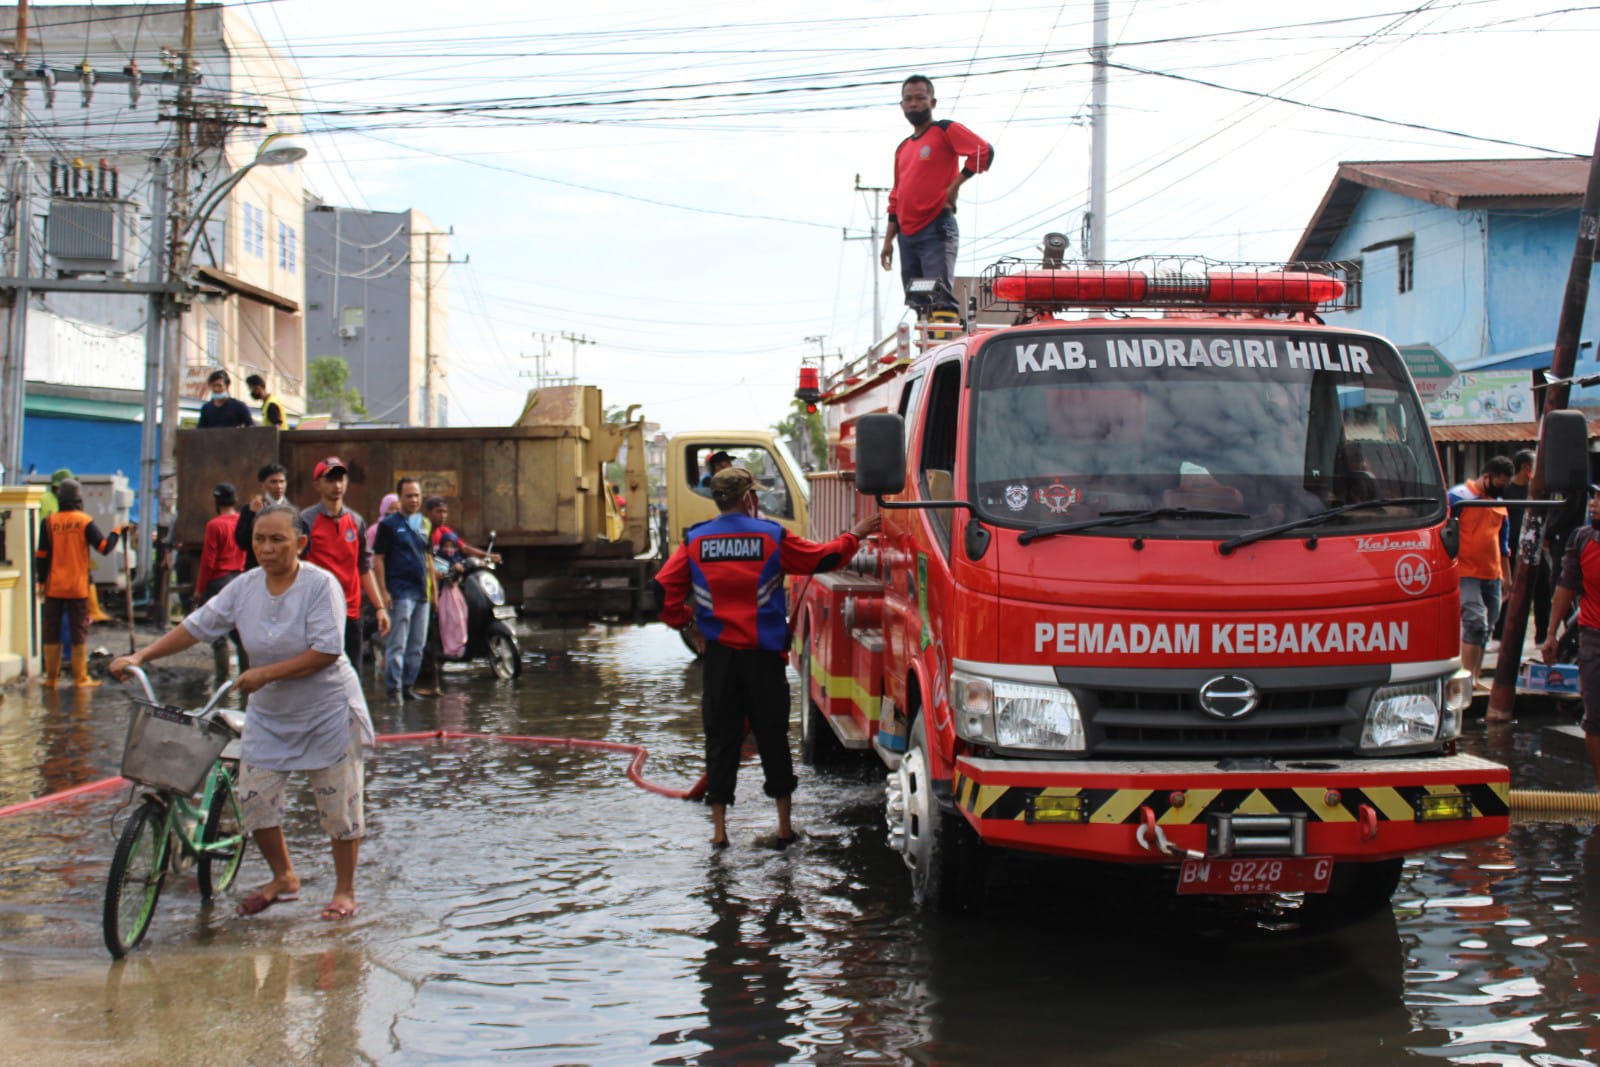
<point>352,642</point>
<point>213,587</point>
<point>743,684</point>
<point>76,612</point>
<point>1540,592</point>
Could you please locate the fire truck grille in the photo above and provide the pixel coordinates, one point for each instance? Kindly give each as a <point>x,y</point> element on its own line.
<point>1288,722</point>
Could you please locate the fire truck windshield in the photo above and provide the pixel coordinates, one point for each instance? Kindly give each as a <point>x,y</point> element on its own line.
<point>1258,427</point>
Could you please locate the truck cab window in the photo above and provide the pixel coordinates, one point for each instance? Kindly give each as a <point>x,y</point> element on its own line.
<point>772,489</point>
<point>937,459</point>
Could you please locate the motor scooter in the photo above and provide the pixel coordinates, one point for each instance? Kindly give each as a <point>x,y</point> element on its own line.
<point>489,632</point>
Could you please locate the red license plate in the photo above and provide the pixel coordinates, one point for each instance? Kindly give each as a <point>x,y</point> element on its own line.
<point>1261,874</point>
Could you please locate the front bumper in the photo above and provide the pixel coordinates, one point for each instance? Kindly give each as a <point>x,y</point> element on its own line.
<point>1355,810</point>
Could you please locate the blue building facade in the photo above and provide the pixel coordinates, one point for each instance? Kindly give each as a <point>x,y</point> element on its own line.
<point>1469,256</point>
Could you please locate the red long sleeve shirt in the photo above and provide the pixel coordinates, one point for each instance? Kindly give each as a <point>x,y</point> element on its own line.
<point>219,554</point>
<point>926,164</point>
<point>733,567</point>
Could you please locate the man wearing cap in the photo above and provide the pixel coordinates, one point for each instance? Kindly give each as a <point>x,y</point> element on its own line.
<point>717,461</point>
<point>221,561</point>
<point>61,568</point>
<point>1580,579</point>
<point>271,406</point>
<point>338,544</point>
<point>222,412</point>
<point>733,567</point>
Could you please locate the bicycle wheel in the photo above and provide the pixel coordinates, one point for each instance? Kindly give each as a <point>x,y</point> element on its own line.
<point>216,870</point>
<point>138,867</point>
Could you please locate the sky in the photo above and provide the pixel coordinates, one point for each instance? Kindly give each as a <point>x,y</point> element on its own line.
<point>677,183</point>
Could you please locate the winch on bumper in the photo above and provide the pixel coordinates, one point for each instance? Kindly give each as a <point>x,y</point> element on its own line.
<point>1161,811</point>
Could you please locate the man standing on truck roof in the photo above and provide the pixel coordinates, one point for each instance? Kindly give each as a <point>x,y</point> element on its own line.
<point>1484,561</point>
<point>733,568</point>
<point>930,167</point>
<point>339,545</point>
<point>1580,580</point>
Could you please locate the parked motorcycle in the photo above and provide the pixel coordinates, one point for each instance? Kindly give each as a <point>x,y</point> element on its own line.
<point>489,632</point>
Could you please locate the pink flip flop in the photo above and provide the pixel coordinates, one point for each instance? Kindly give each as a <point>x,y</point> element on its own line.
<point>258,902</point>
<point>336,911</point>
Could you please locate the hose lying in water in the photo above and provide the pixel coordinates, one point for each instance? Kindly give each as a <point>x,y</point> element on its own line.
<point>635,771</point>
<point>1533,800</point>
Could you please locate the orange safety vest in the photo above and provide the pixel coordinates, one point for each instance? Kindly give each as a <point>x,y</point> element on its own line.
<point>68,554</point>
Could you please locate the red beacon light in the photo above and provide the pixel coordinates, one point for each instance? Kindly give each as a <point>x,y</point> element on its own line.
<point>810,390</point>
<point>1224,288</point>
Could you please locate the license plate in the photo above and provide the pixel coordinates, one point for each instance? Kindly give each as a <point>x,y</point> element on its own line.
<point>1247,876</point>
<point>505,611</point>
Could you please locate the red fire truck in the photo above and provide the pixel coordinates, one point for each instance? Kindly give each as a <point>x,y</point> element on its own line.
<point>1166,578</point>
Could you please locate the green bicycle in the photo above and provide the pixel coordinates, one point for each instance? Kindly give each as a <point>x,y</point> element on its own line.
<point>174,754</point>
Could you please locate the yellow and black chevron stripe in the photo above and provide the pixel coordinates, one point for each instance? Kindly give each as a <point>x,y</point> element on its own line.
<point>1111,806</point>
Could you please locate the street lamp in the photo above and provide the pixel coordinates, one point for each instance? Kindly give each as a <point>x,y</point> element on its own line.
<point>279,149</point>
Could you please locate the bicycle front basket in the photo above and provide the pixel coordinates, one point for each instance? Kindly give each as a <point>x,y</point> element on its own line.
<point>168,748</point>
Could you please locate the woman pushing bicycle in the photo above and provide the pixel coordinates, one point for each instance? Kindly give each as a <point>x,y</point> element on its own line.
<point>305,712</point>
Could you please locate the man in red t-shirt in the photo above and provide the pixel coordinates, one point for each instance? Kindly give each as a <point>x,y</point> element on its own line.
<point>338,544</point>
<point>221,561</point>
<point>930,167</point>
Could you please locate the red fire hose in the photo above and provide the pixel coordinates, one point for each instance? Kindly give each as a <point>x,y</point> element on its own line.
<point>635,771</point>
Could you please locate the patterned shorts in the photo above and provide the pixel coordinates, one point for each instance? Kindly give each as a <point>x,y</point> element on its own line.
<point>338,790</point>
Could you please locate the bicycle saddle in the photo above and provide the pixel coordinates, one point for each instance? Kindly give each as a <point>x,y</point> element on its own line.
<point>233,720</point>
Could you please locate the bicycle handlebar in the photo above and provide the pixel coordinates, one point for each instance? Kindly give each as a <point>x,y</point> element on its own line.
<point>203,713</point>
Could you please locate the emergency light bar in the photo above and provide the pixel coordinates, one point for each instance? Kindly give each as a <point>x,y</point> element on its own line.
<point>1172,283</point>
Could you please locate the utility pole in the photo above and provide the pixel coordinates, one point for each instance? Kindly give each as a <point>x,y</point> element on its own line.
<point>428,263</point>
<point>576,339</point>
<point>14,380</point>
<point>1503,696</point>
<point>1101,53</point>
<point>149,446</point>
<point>177,268</point>
<point>877,192</point>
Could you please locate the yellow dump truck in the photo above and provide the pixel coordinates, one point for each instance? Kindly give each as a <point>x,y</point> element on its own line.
<point>538,486</point>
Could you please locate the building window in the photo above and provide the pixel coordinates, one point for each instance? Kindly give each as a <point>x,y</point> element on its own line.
<point>288,252</point>
<point>255,230</point>
<point>1352,282</point>
<point>1406,254</point>
<point>422,405</point>
<point>444,411</point>
<point>214,342</point>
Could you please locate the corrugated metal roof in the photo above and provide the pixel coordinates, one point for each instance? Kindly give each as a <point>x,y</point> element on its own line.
<point>1499,432</point>
<point>1453,183</point>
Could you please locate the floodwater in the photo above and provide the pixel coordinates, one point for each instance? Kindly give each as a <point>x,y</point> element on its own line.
<point>525,905</point>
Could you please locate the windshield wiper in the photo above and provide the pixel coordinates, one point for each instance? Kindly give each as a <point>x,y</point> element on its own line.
<point>1320,517</point>
<point>1125,517</point>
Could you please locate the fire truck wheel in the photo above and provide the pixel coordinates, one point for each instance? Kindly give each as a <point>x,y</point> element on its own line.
<point>1355,891</point>
<point>947,860</point>
<point>819,745</point>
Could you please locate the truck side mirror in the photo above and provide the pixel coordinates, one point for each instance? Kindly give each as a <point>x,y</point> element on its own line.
<point>880,454</point>
<point>1563,455</point>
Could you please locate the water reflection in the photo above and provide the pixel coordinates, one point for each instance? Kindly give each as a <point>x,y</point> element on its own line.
<point>530,906</point>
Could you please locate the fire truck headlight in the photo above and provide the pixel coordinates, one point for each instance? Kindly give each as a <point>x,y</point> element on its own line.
<point>1406,716</point>
<point>1036,716</point>
<point>972,705</point>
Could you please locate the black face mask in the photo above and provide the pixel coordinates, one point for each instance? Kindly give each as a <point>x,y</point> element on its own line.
<point>918,118</point>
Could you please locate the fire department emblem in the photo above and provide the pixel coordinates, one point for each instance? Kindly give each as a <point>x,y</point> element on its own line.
<point>1057,497</point>
<point>1016,497</point>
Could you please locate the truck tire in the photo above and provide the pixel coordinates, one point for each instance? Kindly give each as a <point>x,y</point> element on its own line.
<point>819,745</point>
<point>947,860</point>
<point>1355,891</point>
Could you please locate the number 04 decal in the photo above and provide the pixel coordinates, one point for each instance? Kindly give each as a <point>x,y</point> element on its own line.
<point>1413,574</point>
